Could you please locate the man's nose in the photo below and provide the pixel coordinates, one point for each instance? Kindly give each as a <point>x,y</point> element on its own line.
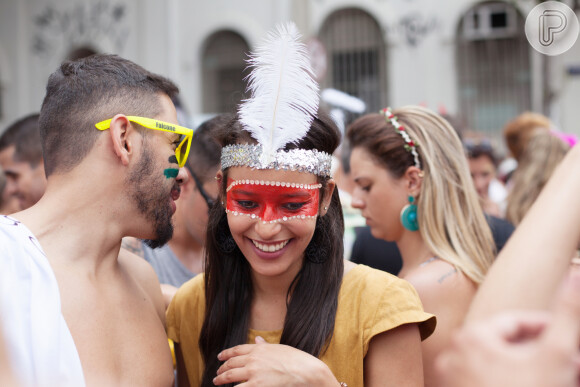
<point>11,187</point>
<point>182,176</point>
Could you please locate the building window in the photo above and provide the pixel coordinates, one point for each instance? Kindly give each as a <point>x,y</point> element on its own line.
<point>223,72</point>
<point>493,63</point>
<point>356,56</point>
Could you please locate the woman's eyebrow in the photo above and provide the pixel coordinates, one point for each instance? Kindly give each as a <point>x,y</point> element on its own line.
<point>288,194</point>
<point>297,194</point>
<point>243,192</point>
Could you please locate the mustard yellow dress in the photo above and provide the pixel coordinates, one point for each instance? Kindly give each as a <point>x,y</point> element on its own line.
<point>370,302</point>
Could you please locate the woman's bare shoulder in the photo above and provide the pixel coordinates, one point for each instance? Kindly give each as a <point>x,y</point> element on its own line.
<point>438,282</point>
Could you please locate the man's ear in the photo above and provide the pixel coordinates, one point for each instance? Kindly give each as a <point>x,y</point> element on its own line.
<point>413,180</point>
<point>120,132</point>
<point>330,187</point>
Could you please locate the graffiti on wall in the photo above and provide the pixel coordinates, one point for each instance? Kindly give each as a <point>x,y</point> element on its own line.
<point>415,27</point>
<point>59,28</point>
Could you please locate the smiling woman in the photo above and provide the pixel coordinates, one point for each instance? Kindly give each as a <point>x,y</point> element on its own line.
<point>276,286</point>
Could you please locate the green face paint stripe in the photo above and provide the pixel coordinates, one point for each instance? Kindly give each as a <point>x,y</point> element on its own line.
<point>171,173</point>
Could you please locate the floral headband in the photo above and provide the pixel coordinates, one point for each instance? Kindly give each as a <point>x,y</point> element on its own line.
<point>409,143</point>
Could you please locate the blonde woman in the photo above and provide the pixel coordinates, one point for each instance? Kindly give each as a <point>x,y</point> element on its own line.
<point>539,159</point>
<point>413,187</point>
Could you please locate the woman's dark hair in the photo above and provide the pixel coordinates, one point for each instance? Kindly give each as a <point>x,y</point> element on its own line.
<point>313,295</point>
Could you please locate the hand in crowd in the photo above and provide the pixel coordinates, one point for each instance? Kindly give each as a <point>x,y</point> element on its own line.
<point>264,364</point>
<point>519,348</point>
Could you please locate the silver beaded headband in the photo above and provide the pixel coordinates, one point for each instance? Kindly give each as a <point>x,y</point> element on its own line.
<point>301,160</point>
<point>409,143</point>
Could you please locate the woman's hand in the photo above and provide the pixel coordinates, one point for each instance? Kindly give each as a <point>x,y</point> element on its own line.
<point>263,364</point>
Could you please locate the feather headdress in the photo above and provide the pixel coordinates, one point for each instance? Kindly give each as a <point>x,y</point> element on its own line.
<point>284,93</point>
<point>283,103</point>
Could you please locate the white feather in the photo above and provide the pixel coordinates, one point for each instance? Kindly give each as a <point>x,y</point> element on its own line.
<point>284,95</point>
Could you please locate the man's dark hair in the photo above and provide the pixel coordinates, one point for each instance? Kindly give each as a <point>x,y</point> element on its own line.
<point>476,148</point>
<point>205,152</point>
<point>25,137</point>
<point>83,92</point>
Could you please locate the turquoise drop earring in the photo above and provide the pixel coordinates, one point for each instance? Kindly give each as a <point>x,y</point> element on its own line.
<point>409,216</point>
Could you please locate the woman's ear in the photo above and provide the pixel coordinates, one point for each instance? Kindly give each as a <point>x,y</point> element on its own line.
<point>414,179</point>
<point>121,137</point>
<point>330,186</point>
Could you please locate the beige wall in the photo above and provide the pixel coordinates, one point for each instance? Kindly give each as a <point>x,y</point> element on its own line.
<point>168,37</point>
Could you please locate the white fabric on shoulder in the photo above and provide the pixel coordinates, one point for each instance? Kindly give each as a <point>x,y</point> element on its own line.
<point>39,343</point>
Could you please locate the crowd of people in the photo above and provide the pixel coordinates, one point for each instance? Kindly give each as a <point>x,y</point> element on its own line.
<point>137,251</point>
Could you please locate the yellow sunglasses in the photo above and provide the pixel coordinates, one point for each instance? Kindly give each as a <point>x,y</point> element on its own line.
<point>181,152</point>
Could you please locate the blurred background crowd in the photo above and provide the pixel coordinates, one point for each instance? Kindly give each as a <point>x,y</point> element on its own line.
<point>468,60</point>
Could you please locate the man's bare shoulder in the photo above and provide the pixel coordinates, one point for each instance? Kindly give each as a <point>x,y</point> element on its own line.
<point>143,274</point>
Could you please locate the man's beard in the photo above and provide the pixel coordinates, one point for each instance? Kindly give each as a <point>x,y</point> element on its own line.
<point>152,200</point>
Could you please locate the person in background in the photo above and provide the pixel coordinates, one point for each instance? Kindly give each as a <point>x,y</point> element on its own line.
<point>182,257</point>
<point>21,159</point>
<point>519,130</point>
<point>414,188</point>
<point>8,203</point>
<point>543,153</point>
<point>482,166</point>
<point>385,255</point>
<point>344,183</point>
<point>361,247</point>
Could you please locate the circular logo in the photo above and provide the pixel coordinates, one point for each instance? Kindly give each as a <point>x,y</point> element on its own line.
<point>552,28</point>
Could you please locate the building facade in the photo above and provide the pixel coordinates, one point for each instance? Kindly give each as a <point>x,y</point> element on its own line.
<point>467,58</point>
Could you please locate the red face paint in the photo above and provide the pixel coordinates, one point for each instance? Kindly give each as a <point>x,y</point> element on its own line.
<point>272,201</point>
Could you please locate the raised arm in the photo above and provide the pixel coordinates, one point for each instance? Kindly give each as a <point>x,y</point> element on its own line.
<point>533,263</point>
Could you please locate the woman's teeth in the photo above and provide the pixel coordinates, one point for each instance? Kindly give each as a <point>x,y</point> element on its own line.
<point>270,248</point>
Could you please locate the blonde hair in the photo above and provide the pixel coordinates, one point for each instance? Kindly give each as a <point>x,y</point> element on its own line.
<point>543,153</point>
<point>519,130</point>
<point>451,220</point>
